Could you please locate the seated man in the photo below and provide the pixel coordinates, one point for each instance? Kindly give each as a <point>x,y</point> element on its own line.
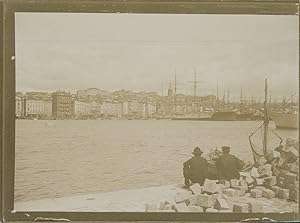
<point>195,169</point>
<point>228,165</point>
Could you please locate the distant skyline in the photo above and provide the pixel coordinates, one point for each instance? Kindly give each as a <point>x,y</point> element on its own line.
<point>142,52</point>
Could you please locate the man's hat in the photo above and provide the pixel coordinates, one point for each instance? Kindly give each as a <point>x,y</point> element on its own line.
<point>225,148</point>
<point>197,150</point>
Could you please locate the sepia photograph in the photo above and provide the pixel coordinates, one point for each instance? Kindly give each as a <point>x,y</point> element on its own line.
<point>133,112</point>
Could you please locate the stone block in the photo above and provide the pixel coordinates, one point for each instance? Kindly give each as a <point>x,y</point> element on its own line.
<point>275,189</point>
<point>196,189</point>
<point>293,168</point>
<point>226,183</point>
<point>267,193</point>
<point>249,180</point>
<point>211,210</point>
<point>232,192</point>
<point>261,161</point>
<point>181,207</point>
<point>193,200</point>
<point>283,193</point>
<point>234,183</point>
<point>260,187</point>
<point>256,193</point>
<point>259,181</point>
<point>265,170</point>
<point>269,182</point>
<point>240,208</point>
<point>182,196</point>
<point>242,190</point>
<point>205,200</point>
<point>290,178</point>
<point>194,208</point>
<point>243,183</point>
<point>281,182</point>
<point>221,204</point>
<point>294,194</point>
<point>255,207</point>
<point>210,186</point>
<point>254,173</point>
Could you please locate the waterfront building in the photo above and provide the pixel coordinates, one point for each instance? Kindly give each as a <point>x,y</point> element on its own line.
<point>33,107</point>
<point>109,109</point>
<point>81,108</point>
<point>62,105</point>
<point>96,108</point>
<point>19,106</point>
<point>136,108</point>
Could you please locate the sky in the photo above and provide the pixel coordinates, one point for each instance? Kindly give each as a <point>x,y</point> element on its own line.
<point>142,52</point>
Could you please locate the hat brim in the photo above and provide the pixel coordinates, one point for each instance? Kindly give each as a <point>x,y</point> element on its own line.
<point>197,152</point>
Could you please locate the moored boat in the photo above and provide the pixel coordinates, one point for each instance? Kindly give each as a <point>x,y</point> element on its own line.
<point>285,120</point>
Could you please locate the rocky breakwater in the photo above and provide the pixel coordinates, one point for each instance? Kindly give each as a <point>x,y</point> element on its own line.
<point>269,186</point>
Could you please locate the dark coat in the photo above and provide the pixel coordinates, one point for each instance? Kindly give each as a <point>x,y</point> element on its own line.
<point>196,169</point>
<point>228,167</point>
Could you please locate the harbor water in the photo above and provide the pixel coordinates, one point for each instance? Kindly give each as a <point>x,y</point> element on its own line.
<point>61,158</point>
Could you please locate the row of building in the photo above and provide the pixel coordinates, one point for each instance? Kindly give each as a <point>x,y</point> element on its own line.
<point>64,105</point>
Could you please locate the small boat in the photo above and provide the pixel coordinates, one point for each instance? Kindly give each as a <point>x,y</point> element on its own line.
<point>285,120</point>
<point>224,116</point>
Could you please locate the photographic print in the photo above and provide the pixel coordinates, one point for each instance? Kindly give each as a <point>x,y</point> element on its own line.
<point>120,112</point>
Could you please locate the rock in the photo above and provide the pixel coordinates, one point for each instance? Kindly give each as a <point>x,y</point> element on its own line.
<point>290,178</point>
<point>232,192</point>
<point>275,189</point>
<point>234,183</point>
<point>254,173</point>
<point>182,196</point>
<point>211,210</point>
<point>196,189</point>
<point>256,193</point>
<point>262,161</point>
<point>194,208</point>
<point>244,175</point>
<point>267,193</point>
<point>283,193</point>
<point>260,187</point>
<point>265,170</point>
<point>210,186</point>
<point>269,182</point>
<point>181,207</point>
<point>226,183</point>
<point>255,207</point>
<point>259,181</point>
<point>249,180</point>
<point>293,168</point>
<point>193,200</point>
<point>242,190</point>
<point>205,200</point>
<point>293,194</point>
<point>240,208</point>
<point>243,183</point>
<point>221,204</point>
<point>281,182</point>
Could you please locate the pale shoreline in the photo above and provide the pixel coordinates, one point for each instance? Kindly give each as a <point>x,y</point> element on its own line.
<point>117,201</point>
<point>134,201</point>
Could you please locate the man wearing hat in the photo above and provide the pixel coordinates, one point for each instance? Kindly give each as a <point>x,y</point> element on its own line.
<point>228,165</point>
<point>195,169</point>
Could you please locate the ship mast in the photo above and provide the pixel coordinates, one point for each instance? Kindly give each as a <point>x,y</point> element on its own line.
<point>266,119</point>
